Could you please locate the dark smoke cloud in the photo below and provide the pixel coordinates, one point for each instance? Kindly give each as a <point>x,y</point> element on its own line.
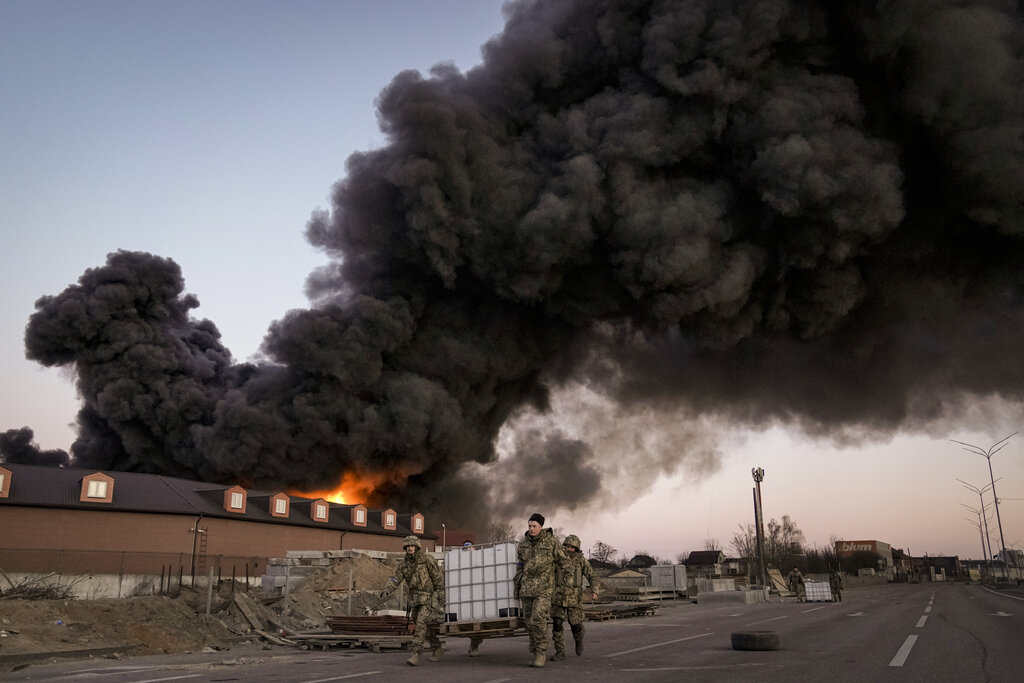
<point>17,446</point>
<point>757,212</point>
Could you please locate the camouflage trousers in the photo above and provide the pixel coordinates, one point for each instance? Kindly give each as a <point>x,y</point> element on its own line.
<point>426,619</point>
<point>560,615</point>
<point>536,611</point>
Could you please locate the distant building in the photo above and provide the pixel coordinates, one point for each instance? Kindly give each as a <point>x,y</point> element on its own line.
<point>857,555</point>
<point>704,564</point>
<point>942,568</point>
<point>624,578</point>
<point>1012,557</point>
<point>641,562</point>
<point>903,566</point>
<point>127,524</point>
<point>451,538</point>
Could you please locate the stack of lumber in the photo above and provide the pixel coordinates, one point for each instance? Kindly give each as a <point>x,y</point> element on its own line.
<point>377,625</point>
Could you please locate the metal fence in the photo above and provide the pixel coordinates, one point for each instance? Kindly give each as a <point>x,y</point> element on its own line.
<point>122,573</point>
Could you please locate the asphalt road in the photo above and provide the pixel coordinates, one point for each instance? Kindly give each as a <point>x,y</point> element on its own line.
<point>925,632</point>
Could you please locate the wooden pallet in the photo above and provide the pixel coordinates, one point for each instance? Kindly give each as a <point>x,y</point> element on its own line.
<point>620,613</point>
<point>639,593</point>
<point>374,643</point>
<point>482,627</point>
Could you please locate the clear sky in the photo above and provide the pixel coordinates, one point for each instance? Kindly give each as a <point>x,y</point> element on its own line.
<point>207,132</point>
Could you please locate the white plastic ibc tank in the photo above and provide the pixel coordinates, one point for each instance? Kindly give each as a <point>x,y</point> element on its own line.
<point>817,591</point>
<point>478,583</point>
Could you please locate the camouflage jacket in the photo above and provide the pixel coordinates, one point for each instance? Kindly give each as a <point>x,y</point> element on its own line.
<point>537,558</point>
<point>569,580</point>
<point>423,576</point>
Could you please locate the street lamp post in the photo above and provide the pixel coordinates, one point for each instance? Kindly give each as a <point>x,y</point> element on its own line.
<point>983,510</point>
<point>982,531</point>
<point>758,474</point>
<point>977,524</point>
<point>987,454</point>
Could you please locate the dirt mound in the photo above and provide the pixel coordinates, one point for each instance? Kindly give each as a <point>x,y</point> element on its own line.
<point>141,625</point>
<point>163,624</point>
<point>365,573</point>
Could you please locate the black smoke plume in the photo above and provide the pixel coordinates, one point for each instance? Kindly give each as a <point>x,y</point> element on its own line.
<point>17,446</point>
<point>757,212</point>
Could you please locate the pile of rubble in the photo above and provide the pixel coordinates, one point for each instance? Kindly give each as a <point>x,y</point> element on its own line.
<point>192,620</point>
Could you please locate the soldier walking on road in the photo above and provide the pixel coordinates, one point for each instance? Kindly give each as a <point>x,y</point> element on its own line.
<point>567,603</point>
<point>796,583</point>
<point>423,576</point>
<point>835,582</point>
<point>538,554</point>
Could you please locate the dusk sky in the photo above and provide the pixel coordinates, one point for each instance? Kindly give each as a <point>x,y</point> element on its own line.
<point>209,132</point>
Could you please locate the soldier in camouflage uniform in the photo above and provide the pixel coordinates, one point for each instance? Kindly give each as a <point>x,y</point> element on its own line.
<point>567,603</point>
<point>538,554</point>
<point>423,576</point>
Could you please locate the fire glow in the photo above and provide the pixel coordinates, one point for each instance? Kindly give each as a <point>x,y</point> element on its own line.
<point>353,488</point>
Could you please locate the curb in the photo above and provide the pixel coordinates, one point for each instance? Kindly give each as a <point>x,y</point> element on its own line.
<point>9,661</point>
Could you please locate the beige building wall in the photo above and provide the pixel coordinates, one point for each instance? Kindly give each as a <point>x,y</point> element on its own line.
<point>34,539</point>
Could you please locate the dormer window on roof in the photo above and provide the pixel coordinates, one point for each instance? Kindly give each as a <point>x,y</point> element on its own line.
<point>359,515</point>
<point>417,523</point>
<point>320,511</point>
<point>5,482</point>
<point>97,488</point>
<point>279,505</point>
<point>388,519</point>
<point>234,499</point>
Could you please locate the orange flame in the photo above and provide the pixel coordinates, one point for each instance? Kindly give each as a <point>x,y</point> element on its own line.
<point>353,488</point>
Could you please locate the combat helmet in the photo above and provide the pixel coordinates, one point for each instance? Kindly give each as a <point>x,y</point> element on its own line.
<point>573,540</point>
<point>411,541</point>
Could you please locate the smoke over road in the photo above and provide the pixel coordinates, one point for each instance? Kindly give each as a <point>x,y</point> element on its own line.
<point>686,211</point>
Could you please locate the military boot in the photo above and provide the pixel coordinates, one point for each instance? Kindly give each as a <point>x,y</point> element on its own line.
<point>538,659</point>
<point>414,659</point>
<point>577,635</point>
<point>558,656</point>
<point>435,655</point>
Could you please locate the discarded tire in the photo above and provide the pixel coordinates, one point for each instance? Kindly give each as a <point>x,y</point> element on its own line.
<point>756,640</point>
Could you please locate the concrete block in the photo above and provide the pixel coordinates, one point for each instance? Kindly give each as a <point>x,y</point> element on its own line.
<point>301,571</point>
<point>732,597</point>
<point>272,582</point>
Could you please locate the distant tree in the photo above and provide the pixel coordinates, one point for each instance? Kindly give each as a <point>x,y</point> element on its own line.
<point>682,557</point>
<point>744,542</point>
<point>822,560</point>
<point>498,532</point>
<point>783,543</point>
<point>602,552</point>
<point>712,544</point>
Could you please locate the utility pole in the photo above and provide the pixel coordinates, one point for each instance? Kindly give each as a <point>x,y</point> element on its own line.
<point>758,474</point>
<point>987,454</point>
